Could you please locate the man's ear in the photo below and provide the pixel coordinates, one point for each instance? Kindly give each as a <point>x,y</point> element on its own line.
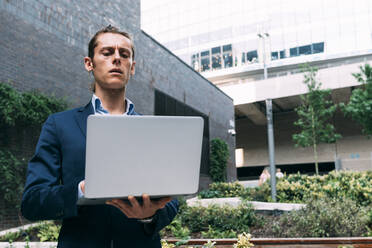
<point>88,63</point>
<point>133,68</point>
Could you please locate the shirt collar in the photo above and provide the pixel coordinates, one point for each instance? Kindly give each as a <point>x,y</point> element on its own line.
<point>99,109</point>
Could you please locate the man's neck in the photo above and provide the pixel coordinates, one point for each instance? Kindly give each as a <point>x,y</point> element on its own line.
<point>112,100</point>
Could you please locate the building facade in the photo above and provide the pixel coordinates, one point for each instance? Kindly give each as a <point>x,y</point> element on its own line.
<point>231,44</point>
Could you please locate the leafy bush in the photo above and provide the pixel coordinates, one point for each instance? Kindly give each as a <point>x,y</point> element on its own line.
<point>221,189</point>
<point>43,231</point>
<point>10,237</point>
<point>369,223</point>
<point>216,234</point>
<point>42,107</point>
<point>299,188</point>
<point>20,111</point>
<point>339,185</point>
<point>26,109</point>
<point>218,160</point>
<point>10,105</point>
<point>48,231</point>
<point>324,217</point>
<point>177,230</point>
<point>225,218</point>
<point>262,193</point>
<point>12,177</point>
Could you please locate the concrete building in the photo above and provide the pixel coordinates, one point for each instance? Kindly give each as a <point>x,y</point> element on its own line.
<point>42,46</point>
<point>229,44</point>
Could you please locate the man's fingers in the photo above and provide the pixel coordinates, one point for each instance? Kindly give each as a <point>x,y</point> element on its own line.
<point>133,201</point>
<point>146,201</point>
<point>163,201</point>
<point>124,207</point>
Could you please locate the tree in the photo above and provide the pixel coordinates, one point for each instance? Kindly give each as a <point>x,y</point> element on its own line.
<point>359,107</point>
<point>218,160</point>
<point>314,116</point>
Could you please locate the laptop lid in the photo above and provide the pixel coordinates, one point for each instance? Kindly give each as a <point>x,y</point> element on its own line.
<point>132,155</point>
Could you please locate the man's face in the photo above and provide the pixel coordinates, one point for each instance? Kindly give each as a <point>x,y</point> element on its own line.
<point>112,64</point>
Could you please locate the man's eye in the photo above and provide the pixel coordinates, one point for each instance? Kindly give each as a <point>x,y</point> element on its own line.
<point>124,55</point>
<point>106,54</point>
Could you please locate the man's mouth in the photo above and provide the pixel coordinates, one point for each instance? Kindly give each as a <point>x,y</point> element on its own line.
<point>116,70</point>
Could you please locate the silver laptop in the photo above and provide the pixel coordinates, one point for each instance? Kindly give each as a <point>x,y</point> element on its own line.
<point>132,155</point>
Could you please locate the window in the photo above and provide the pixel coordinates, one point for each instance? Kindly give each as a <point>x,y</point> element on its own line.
<point>274,55</point>
<point>243,58</point>
<point>216,58</point>
<point>252,56</point>
<point>293,52</point>
<point>239,157</point>
<point>282,54</point>
<point>195,61</point>
<point>227,56</point>
<point>304,50</point>
<point>205,60</point>
<point>318,47</point>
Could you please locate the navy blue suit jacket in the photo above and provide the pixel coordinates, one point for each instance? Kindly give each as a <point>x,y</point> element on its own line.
<point>51,191</point>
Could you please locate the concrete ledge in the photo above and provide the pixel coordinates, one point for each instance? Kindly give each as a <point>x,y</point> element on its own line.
<point>235,201</point>
<point>28,245</point>
<point>21,228</point>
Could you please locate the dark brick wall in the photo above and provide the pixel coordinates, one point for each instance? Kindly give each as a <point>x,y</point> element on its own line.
<point>43,43</point>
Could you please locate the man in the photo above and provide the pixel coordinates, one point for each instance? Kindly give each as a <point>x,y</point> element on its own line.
<point>55,177</point>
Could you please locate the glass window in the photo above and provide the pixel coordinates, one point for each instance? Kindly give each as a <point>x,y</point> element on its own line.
<point>252,56</point>
<point>274,55</point>
<point>282,54</point>
<point>205,60</point>
<point>216,58</point>
<point>304,50</point>
<point>226,48</point>
<point>243,58</point>
<point>318,47</point>
<point>227,59</point>
<point>293,52</point>
<point>195,61</point>
<point>227,56</point>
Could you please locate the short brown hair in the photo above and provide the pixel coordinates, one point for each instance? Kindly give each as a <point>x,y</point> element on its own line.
<point>109,29</point>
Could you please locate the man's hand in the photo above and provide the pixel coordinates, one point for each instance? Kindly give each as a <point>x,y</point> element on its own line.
<point>136,210</point>
<point>82,186</point>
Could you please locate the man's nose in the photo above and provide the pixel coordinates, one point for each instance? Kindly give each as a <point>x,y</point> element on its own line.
<point>116,56</point>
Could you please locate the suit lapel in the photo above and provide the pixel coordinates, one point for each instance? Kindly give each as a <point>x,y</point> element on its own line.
<point>81,117</point>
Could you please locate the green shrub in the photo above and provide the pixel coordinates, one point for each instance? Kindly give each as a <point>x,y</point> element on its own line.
<point>48,231</point>
<point>45,231</point>
<point>177,230</point>
<point>21,111</point>
<point>324,217</point>
<point>338,185</point>
<point>369,223</point>
<point>216,234</point>
<point>10,237</point>
<point>218,160</point>
<point>10,105</point>
<point>42,107</point>
<point>261,193</point>
<point>12,177</point>
<point>299,188</point>
<point>221,219</point>
<point>28,108</point>
<point>221,189</point>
